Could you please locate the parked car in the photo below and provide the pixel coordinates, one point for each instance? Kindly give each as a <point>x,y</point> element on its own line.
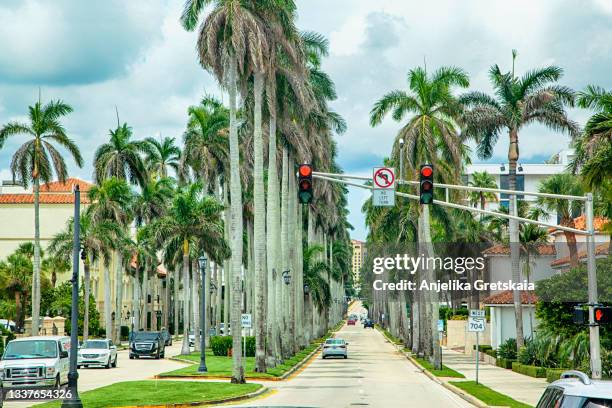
<point>97,352</point>
<point>335,348</point>
<point>222,330</point>
<point>368,323</point>
<point>575,389</point>
<point>40,361</point>
<point>167,337</point>
<point>350,322</point>
<point>147,344</point>
<point>9,325</point>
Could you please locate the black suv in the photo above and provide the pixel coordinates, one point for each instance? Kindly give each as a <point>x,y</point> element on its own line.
<point>147,344</point>
<point>368,323</point>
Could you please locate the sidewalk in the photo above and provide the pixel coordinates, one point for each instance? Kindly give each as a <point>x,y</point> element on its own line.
<point>518,386</point>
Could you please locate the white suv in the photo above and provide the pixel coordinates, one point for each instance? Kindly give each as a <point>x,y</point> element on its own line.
<point>35,361</point>
<point>576,390</point>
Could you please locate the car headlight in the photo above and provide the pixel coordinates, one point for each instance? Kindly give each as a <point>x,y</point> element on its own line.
<point>50,371</point>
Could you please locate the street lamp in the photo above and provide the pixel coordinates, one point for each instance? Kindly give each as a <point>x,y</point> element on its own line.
<point>202,264</point>
<point>287,277</point>
<point>401,163</point>
<point>306,289</point>
<point>73,399</point>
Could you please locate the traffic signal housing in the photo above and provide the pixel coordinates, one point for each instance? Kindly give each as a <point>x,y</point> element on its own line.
<point>305,183</point>
<point>426,184</point>
<point>603,314</point>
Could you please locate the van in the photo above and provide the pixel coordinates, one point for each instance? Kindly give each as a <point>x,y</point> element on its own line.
<point>40,361</point>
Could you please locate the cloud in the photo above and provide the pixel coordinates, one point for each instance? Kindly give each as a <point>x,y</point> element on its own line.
<point>73,41</point>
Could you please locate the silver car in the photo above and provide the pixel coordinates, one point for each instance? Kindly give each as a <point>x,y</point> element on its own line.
<point>335,348</point>
<point>97,352</point>
<point>576,389</point>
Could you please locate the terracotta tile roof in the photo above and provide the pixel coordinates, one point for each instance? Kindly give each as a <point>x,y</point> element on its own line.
<point>601,249</point>
<point>51,193</point>
<point>580,223</point>
<point>543,249</point>
<point>505,298</point>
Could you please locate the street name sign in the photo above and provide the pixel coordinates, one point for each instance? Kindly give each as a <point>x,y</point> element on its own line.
<point>477,313</point>
<point>383,193</point>
<point>476,324</point>
<point>245,320</point>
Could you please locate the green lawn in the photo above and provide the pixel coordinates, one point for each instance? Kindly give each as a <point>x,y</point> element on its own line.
<point>444,372</point>
<point>151,392</point>
<point>222,366</point>
<point>487,395</point>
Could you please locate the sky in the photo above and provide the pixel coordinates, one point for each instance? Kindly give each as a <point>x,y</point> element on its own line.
<point>134,56</point>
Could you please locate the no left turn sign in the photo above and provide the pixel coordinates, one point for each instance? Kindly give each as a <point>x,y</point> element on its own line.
<point>384,177</point>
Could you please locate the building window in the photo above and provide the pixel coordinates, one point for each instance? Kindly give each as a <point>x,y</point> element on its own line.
<point>503,184</point>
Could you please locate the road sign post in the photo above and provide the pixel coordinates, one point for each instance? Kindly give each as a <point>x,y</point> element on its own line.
<point>383,191</point>
<point>245,323</point>
<point>477,323</point>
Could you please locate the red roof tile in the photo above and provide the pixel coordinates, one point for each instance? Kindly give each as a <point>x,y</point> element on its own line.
<point>51,193</point>
<point>543,249</point>
<point>506,298</point>
<point>602,249</point>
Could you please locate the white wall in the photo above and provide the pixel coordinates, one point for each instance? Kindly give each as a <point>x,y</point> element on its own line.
<point>502,325</point>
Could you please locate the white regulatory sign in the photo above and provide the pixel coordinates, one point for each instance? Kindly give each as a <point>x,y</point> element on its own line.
<point>477,313</point>
<point>245,320</point>
<point>383,197</point>
<point>476,324</point>
<point>383,177</point>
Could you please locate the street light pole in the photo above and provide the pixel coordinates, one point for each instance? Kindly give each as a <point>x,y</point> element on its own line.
<point>401,161</point>
<point>202,263</point>
<point>73,399</point>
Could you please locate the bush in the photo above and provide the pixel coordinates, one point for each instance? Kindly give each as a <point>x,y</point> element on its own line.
<point>491,353</point>
<point>504,363</point>
<point>553,374</point>
<point>250,346</point>
<point>9,336</point>
<point>507,350</point>
<point>220,345</point>
<point>530,370</point>
<point>125,332</point>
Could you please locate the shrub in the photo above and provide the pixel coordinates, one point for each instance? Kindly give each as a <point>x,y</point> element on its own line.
<point>491,353</point>
<point>9,336</point>
<point>125,332</point>
<point>250,346</point>
<point>527,355</point>
<point>220,345</point>
<point>507,350</point>
<point>553,374</point>
<point>504,363</point>
<point>530,370</point>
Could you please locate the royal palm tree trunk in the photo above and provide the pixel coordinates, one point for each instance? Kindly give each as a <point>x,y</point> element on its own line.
<point>175,311</point>
<point>185,345</point>
<point>219,283</point>
<point>513,229</point>
<point>300,311</point>
<point>86,291</point>
<point>36,272</point>
<point>195,302</point>
<point>145,297</point>
<point>119,299</point>
<point>167,302</point>
<point>433,295</point>
<point>18,309</point>
<point>108,307</point>
<point>136,299</point>
<point>236,226</point>
<point>226,266</point>
<point>284,240</point>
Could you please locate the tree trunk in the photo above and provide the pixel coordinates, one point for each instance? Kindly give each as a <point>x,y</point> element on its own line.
<point>176,310</point>
<point>119,295</point>
<point>108,307</point>
<point>136,299</point>
<point>235,227</point>
<point>36,273</point>
<point>18,309</point>
<point>145,297</point>
<point>513,155</point>
<point>185,345</point>
<point>195,302</point>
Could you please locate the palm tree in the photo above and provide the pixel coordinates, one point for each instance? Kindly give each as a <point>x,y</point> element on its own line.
<point>431,136</point>
<point>120,157</point>
<point>193,220</point>
<point>594,147</point>
<point>482,180</point>
<point>97,240</point>
<point>161,155</point>
<point>54,265</point>
<point>566,210</point>
<point>16,280</point>
<point>37,159</point>
<point>532,98</point>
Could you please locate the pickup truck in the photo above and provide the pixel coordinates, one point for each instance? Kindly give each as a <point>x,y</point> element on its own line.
<point>41,361</point>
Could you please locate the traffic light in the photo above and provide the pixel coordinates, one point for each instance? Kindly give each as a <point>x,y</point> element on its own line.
<point>581,315</point>
<point>603,314</point>
<point>305,183</point>
<point>426,184</point>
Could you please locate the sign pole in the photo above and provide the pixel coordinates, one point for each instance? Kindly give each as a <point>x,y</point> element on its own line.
<point>477,351</point>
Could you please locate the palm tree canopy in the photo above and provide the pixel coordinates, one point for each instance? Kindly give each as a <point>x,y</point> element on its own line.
<point>483,180</point>
<point>153,200</point>
<point>111,200</point>
<point>38,157</point>
<point>120,157</point>
<point>565,184</point>
<point>161,155</point>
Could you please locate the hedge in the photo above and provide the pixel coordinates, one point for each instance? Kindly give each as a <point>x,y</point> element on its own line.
<point>504,363</point>
<point>221,345</point>
<point>531,371</point>
<point>553,374</point>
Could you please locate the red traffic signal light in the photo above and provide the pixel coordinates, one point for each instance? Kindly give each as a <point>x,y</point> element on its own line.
<point>305,183</point>
<point>603,315</point>
<point>426,171</point>
<point>426,184</point>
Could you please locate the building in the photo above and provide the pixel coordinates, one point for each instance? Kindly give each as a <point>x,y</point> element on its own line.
<point>357,261</point>
<point>528,177</point>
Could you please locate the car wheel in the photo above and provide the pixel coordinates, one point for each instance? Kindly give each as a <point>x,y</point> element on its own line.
<point>157,356</point>
<point>131,356</point>
<point>78,366</point>
<point>324,357</point>
<point>57,382</point>
<point>115,362</point>
<point>345,357</point>
<point>108,364</point>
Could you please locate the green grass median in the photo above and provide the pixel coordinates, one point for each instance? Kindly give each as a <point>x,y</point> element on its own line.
<point>444,372</point>
<point>487,395</point>
<point>220,366</point>
<point>151,392</point>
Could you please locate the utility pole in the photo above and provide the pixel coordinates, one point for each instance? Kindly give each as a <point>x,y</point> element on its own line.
<point>592,286</point>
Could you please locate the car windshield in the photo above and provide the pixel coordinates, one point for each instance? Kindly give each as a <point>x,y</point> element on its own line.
<point>139,336</point>
<point>17,350</point>
<point>334,341</point>
<point>95,344</point>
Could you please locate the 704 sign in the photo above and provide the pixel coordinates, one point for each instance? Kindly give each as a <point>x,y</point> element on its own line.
<point>476,324</point>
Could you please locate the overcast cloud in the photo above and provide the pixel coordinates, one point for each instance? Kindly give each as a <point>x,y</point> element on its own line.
<point>96,55</point>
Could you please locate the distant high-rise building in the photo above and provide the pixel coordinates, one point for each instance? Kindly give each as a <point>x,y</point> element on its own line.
<point>358,256</point>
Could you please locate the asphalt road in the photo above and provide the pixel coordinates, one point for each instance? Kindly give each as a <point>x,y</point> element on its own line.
<point>126,370</point>
<point>374,375</point>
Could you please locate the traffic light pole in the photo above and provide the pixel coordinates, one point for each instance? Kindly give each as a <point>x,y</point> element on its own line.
<point>592,282</point>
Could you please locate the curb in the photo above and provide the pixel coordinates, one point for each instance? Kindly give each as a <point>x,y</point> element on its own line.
<point>257,393</point>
